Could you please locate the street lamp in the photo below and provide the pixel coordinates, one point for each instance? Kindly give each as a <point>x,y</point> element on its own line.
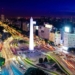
<point>67,29</point>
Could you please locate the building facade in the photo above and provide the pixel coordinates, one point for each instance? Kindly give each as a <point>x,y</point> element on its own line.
<point>57,38</point>
<point>43,32</point>
<point>52,37</point>
<point>18,24</point>
<point>25,26</point>
<point>69,40</point>
<point>2,18</point>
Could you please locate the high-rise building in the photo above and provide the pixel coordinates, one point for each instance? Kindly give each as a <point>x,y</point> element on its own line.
<point>18,24</point>
<point>2,18</point>
<point>25,26</point>
<point>69,40</point>
<point>57,38</point>
<point>52,36</point>
<point>49,26</point>
<point>74,29</point>
<point>43,32</point>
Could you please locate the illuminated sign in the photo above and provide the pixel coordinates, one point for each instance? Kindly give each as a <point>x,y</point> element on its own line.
<point>48,26</point>
<point>67,29</point>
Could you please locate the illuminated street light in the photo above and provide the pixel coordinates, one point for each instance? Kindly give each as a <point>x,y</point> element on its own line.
<point>67,29</point>
<point>4,30</point>
<point>14,58</point>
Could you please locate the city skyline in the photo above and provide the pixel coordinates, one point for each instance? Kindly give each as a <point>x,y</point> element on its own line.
<point>37,37</point>
<point>37,8</point>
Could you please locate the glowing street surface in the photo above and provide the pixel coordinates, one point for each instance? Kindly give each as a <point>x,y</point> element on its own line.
<point>17,68</point>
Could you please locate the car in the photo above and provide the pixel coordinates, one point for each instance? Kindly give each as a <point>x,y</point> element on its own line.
<point>24,68</point>
<point>21,66</point>
<point>22,48</point>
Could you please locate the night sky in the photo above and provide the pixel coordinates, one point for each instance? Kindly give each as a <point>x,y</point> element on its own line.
<point>37,7</point>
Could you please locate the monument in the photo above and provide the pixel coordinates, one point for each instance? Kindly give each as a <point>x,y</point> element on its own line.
<point>31,41</point>
<point>32,53</point>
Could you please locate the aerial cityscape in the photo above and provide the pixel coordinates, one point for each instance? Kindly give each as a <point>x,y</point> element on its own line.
<point>37,37</point>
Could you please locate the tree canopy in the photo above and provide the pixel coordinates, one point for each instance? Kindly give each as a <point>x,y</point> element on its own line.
<point>2,61</point>
<point>34,71</point>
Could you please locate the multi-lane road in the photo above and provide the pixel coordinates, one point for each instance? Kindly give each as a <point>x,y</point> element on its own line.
<point>12,69</point>
<point>8,55</point>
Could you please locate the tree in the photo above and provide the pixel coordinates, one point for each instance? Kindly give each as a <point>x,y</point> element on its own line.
<point>72,50</point>
<point>45,60</point>
<point>51,43</point>
<point>40,60</point>
<point>2,61</point>
<point>34,71</point>
<point>46,40</point>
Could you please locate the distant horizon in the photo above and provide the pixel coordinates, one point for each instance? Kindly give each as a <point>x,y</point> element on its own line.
<point>52,14</point>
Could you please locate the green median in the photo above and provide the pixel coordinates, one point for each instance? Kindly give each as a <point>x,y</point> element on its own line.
<point>60,66</point>
<point>48,71</point>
